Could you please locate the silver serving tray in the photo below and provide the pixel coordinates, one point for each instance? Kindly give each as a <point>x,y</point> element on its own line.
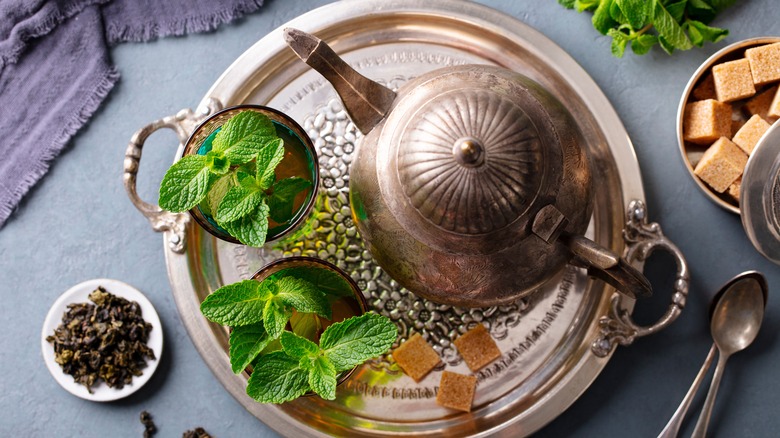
<point>554,343</point>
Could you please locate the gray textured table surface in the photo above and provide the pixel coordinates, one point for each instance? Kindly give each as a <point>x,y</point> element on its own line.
<point>78,224</point>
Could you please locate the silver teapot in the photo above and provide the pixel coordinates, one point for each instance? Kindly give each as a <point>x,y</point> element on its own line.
<point>470,186</point>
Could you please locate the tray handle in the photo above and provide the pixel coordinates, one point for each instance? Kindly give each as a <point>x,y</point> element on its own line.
<point>617,327</point>
<point>183,123</point>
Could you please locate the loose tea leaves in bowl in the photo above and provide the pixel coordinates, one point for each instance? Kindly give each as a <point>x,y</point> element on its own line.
<point>102,340</point>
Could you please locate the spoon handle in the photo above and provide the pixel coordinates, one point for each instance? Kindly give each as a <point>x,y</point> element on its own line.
<point>700,431</point>
<point>673,426</point>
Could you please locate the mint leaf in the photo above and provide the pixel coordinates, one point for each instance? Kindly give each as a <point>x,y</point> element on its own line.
<point>277,378</point>
<point>237,203</point>
<point>676,10</point>
<point>325,280</point>
<point>282,199</point>
<point>585,5</point>
<point>298,347</point>
<point>217,192</point>
<point>306,325</point>
<point>267,159</point>
<point>670,34</point>
<point>275,317</point>
<point>568,4</point>
<point>700,32</point>
<point>251,229</point>
<point>617,14</point>
<point>218,164</point>
<point>602,21</point>
<point>322,378</point>
<point>700,10</point>
<point>243,136</point>
<point>643,43</point>
<point>635,11</point>
<point>236,304</point>
<point>185,184</point>
<point>357,339</point>
<point>303,296</point>
<point>246,343</point>
<point>720,5</point>
<point>619,41</point>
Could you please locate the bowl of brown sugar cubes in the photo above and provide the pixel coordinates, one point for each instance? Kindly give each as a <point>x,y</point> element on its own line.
<point>728,105</point>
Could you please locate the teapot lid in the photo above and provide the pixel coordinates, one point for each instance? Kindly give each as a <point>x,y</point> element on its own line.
<point>472,161</point>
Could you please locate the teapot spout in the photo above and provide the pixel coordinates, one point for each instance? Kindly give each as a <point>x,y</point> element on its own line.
<point>366,101</point>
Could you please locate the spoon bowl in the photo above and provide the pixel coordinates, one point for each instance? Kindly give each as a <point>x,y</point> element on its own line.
<point>738,314</point>
<point>734,325</point>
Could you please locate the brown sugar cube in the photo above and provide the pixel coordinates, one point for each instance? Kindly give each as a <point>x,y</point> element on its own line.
<point>721,164</point>
<point>764,63</point>
<point>477,347</point>
<point>733,80</point>
<point>734,189</point>
<point>705,89</point>
<point>774,108</point>
<point>416,357</point>
<point>456,391</point>
<point>748,135</point>
<point>761,103</point>
<point>705,121</point>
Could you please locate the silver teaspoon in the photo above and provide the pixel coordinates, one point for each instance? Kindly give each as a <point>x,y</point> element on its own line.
<point>672,428</point>
<point>734,325</point>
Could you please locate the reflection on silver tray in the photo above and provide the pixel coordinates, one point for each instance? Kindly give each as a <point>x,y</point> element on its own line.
<point>554,342</point>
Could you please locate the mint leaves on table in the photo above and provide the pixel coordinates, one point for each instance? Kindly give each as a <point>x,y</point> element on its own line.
<point>672,24</point>
<point>235,181</point>
<point>258,313</point>
<point>279,376</point>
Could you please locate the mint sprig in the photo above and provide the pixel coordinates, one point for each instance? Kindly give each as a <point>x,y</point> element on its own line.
<point>343,346</point>
<point>640,24</point>
<point>287,364</point>
<point>234,182</point>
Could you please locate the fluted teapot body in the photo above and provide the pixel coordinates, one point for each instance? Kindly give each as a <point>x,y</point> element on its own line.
<point>471,185</point>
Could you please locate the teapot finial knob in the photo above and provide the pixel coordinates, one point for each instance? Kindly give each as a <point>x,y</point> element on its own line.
<point>468,152</point>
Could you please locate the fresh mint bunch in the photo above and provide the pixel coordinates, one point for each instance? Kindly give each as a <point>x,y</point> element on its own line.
<point>235,181</point>
<point>303,365</point>
<point>287,364</point>
<point>672,24</point>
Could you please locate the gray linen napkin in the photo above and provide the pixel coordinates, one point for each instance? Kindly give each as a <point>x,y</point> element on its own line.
<point>55,70</point>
